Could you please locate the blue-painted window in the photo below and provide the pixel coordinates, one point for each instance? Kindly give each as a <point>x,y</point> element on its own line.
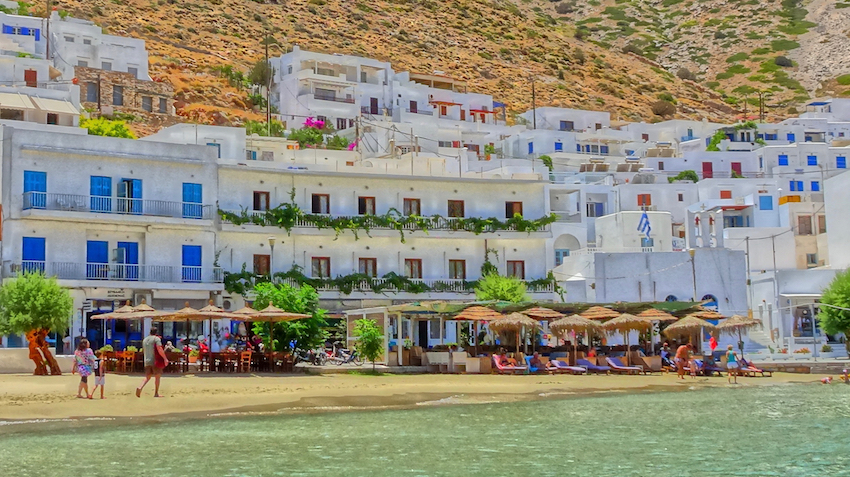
<point>531,148</point>
<point>796,186</point>
<point>252,155</point>
<point>815,186</point>
<point>17,30</point>
<point>761,163</point>
<point>32,254</point>
<point>191,263</point>
<point>811,160</point>
<point>560,255</point>
<point>783,159</point>
<point>790,137</point>
<point>101,194</point>
<point>97,260</point>
<point>841,162</point>
<point>192,201</point>
<point>128,256</point>
<point>35,190</point>
<point>217,148</point>
<point>603,149</point>
<point>770,137</point>
<point>766,202</point>
<point>646,242</point>
<point>578,147</point>
<point>130,196</point>
<point>559,146</point>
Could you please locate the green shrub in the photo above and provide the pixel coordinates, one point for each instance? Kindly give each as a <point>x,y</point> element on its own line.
<point>843,80</point>
<point>737,57</point>
<point>761,51</point>
<point>784,45</point>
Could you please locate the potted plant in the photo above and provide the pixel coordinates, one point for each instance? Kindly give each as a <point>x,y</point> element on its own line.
<point>452,346</point>
<point>405,354</point>
<point>132,349</point>
<point>193,356</point>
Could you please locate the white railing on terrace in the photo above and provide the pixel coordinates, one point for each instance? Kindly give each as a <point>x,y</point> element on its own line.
<point>120,272</point>
<point>115,205</point>
<point>435,285</point>
<point>593,250</point>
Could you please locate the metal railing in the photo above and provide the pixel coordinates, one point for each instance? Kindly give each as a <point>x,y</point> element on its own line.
<point>427,112</point>
<point>437,285</point>
<point>121,272</point>
<point>115,205</point>
<point>336,99</point>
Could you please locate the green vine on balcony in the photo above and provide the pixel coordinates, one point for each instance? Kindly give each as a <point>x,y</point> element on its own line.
<point>288,215</point>
<point>244,281</point>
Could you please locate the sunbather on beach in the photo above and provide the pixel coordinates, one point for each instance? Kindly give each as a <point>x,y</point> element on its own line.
<point>536,362</point>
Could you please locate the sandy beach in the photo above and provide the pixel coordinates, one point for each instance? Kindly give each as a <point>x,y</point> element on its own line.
<point>26,397</point>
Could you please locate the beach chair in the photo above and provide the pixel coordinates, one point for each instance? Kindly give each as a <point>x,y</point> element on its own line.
<point>751,370</point>
<point>618,367</point>
<point>502,369</point>
<point>709,366</point>
<point>533,369</point>
<point>565,368</point>
<point>590,367</point>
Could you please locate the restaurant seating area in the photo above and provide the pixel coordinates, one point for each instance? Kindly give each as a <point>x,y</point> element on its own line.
<point>126,362</point>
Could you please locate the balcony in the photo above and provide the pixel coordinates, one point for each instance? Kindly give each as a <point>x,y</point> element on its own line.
<point>115,205</point>
<point>330,97</point>
<point>425,112</point>
<point>121,272</point>
<point>435,285</point>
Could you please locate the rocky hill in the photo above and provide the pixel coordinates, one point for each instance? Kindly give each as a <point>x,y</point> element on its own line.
<point>616,55</point>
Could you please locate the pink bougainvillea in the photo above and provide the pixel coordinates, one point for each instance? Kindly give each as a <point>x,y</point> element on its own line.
<point>352,146</point>
<point>315,124</point>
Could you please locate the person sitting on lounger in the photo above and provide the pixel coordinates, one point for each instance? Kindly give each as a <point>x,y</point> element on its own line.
<point>536,362</point>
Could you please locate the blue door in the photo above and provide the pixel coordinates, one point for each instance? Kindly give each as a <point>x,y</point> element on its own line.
<point>599,209</point>
<point>128,255</point>
<point>97,260</point>
<point>192,199</point>
<point>531,148</point>
<point>35,190</point>
<point>101,194</point>
<point>130,192</point>
<point>32,254</point>
<point>191,263</point>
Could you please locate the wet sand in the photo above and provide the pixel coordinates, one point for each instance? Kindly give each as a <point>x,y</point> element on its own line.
<point>26,397</point>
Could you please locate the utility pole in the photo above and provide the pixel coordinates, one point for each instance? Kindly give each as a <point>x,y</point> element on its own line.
<point>47,31</point>
<point>533,104</point>
<point>268,88</point>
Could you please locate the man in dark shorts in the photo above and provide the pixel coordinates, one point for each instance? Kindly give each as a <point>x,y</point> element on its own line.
<point>152,346</point>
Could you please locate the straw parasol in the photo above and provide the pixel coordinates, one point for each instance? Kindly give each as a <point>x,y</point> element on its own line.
<point>128,312</point>
<point>626,323</point>
<point>736,325</point>
<point>707,314</point>
<point>688,326</point>
<point>599,313</point>
<point>514,322</point>
<point>655,314</point>
<point>477,313</point>
<point>574,323</point>
<point>540,313</point>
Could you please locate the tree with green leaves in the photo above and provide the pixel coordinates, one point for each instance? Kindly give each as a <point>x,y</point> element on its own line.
<point>714,143</point>
<point>688,175</point>
<point>837,320</point>
<point>307,333</point>
<point>370,339</point>
<point>36,305</point>
<point>547,161</point>
<point>105,127</point>
<point>499,288</point>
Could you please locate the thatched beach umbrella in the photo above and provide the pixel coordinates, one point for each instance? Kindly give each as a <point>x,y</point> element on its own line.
<point>599,313</point>
<point>707,314</point>
<point>656,315</point>
<point>477,314</point>
<point>574,323</point>
<point>515,322</point>
<point>543,314</point>
<point>736,325</point>
<point>128,312</point>
<point>626,323</point>
<point>688,326</point>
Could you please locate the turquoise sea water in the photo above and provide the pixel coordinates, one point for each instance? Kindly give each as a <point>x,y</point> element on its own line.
<point>783,430</point>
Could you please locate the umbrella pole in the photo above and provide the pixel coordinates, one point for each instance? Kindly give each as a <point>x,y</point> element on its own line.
<point>741,342</point>
<point>209,348</point>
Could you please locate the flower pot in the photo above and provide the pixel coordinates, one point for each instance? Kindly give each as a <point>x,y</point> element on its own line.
<point>193,359</point>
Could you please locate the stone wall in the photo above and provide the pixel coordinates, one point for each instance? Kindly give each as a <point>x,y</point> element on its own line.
<point>135,90</point>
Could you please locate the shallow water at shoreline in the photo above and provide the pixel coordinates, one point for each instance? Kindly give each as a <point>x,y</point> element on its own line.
<point>775,430</point>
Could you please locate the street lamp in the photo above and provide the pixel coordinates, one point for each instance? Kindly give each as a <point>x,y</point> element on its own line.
<point>272,241</point>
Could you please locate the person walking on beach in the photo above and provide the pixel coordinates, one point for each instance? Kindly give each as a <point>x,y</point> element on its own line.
<point>731,364</point>
<point>99,375</point>
<point>682,358</point>
<point>152,347</point>
<point>83,362</point>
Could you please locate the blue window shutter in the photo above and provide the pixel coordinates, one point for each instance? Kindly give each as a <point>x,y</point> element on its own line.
<point>7,29</point>
<point>812,160</point>
<point>97,251</point>
<point>578,147</point>
<point>25,31</point>
<point>33,249</point>
<point>792,186</point>
<point>131,252</point>
<point>37,34</point>
<point>790,137</point>
<point>783,159</point>
<point>191,255</point>
<point>603,150</point>
<point>841,162</point>
<point>192,198</point>
<point>559,146</point>
<point>800,186</point>
<point>765,202</point>
<point>137,189</point>
<point>531,148</point>
<point>815,186</point>
<point>35,181</point>
<point>217,147</point>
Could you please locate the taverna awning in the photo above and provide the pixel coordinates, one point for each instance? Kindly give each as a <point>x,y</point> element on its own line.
<point>54,105</point>
<point>15,101</point>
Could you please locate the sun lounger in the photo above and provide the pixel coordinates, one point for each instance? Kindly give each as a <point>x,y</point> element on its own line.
<point>503,369</point>
<point>592,367</point>
<point>533,369</point>
<point>748,367</point>
<point>618,367</point>
<point>565,368</point>
<point>708,369</point>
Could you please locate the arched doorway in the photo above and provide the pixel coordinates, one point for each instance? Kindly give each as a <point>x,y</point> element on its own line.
<point>563,245</point>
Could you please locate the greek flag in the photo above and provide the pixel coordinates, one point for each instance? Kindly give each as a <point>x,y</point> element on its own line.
<point>643,225</point>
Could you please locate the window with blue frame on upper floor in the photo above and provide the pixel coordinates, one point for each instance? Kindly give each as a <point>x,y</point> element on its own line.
<point>559,146</point>
<point>217,147</point>
<point>796,186</point>
<point>811,160</point>
<point>251,155</point>
<point>18,30</point>
<point>100,190</point>
<point>191,263</point>
<point>531,148</point>
<point>192,201</point>
<point>790,137</point>
<point>815,186</point>
<point>841,162</point>
<point>761,163</point>
<point>578,147</point>
<point>35,190</point>
<point>560,255</point>
<point>603,149</point>
<point>770,137</point>
<point>783,159</point>
<point>766,202</point>
<point>32,254</point>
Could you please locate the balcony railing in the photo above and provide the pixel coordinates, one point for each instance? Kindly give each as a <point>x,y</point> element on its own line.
<point>435,286</point>
<point>372,222</point>
<point>121,272</point>
<point>115,205</point>
<point>426,112</point>
<point>336,99</point>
